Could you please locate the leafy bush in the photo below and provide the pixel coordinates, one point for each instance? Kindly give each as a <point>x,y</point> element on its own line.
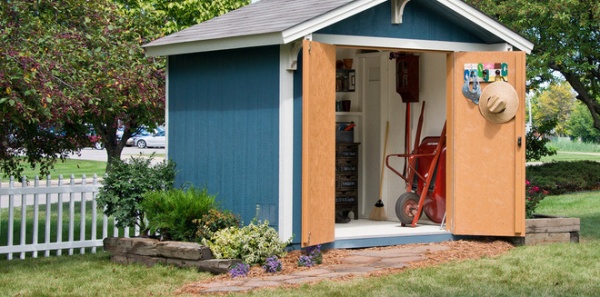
<point>313,257</point>
<point>214,221</point>
<point>253,243</point>
<point>124,186</point>
<point>173,212</point>
<point>563,177</point>
<point>536,146</point>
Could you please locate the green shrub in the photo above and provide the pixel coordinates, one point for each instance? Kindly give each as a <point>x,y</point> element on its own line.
<point>214,221</point>
<point>537,146</point>
<point>124,186</point>
<point>173,212</point>
<point>564,177</point>
<point>253,243</point>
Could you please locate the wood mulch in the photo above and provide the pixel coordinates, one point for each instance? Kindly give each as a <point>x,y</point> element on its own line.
<point>457,251</point>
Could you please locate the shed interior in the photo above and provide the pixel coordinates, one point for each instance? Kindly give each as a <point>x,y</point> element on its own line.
<point>374,102</point>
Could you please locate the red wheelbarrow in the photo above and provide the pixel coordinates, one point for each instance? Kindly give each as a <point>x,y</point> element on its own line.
<point>425,177</point>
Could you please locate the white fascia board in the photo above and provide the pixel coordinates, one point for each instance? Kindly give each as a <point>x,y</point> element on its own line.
<point>214,45</point>
<point>409,44</point>
<point>488,24</point>
<point>328,19</point>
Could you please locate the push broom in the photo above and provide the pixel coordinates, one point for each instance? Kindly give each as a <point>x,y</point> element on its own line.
<point>378,212</point>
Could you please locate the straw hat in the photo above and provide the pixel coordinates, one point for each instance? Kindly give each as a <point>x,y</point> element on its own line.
<point>499,102</point>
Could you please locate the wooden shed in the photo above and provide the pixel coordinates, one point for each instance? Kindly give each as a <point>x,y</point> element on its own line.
<point>253,105</point>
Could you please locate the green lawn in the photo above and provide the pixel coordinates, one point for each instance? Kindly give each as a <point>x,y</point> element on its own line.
<point>544,270</point>
<point>68,167</point>
<point>571,156</point>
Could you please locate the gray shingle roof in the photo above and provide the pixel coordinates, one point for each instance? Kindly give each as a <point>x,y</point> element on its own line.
<point>262,17</point>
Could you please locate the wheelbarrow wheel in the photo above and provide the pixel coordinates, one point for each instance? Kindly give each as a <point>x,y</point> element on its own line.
<point>406,207</point>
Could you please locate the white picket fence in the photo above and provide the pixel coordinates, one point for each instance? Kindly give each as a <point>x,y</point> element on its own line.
<point>53,196</point>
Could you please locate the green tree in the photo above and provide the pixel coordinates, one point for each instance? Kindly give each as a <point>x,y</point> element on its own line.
<point>172,16</point>
<point>565,34</point>
<point>554,104</point>
<point>68,64</point>
<point>71,64</point>
<point>579,125</point>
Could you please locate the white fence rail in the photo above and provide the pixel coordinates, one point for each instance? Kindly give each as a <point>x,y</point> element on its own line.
<point>54,199</point>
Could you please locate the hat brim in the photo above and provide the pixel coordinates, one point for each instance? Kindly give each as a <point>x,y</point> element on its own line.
<point>509,96</point>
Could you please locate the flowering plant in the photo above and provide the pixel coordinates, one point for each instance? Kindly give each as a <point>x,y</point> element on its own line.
<point>314,252</point>
<point>272,264</point>
<point>239,270</point>
<point>305,261</point>
<point>533,196</point>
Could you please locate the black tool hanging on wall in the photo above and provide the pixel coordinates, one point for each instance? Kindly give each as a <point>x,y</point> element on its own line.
<point>407,76</point>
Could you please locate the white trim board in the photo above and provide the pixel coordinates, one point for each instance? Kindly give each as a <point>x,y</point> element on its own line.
<point>409,44</point>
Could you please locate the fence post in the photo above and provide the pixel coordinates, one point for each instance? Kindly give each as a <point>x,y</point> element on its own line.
<point>59,213</point>
<point>36,213</point>
<point>94,213</point>
<point>71,214</point>
<point>82,216</point>
<point>11,217</point>
<point>23,214</point>
<point>48,207</point>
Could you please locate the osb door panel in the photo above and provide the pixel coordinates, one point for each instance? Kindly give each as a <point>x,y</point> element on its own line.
<point>318,143</point>
<point>486,163</point>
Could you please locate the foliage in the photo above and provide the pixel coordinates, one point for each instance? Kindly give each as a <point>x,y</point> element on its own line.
<point>173,212</point>
<point>536,146</point>
<point>272,265</point>
<point>580,125</point>
<point>563,177</point>
<point>253,243</point>
<point>313,257</point>
<point>68,64</point>
<point>124,186</point>
<point>173,16</point>
<point>554,105</point>
<point>239,270</point>
<point>565,34</point>
<point>533,196</point>
<point>214,221</point>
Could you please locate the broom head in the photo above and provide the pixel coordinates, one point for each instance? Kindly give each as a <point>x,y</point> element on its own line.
<point>378,212</point>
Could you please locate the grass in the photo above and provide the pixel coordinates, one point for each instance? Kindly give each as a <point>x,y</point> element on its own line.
<point>571,156</point>
<point>545,270</point>
<point>68,167</point>
<point>574,146</point>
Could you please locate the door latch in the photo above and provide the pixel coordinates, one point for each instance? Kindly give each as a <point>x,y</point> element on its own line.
<point>519,141</point>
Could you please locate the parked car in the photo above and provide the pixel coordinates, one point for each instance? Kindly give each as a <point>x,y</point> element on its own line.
<point>150,140</point>
<point>142,132</point>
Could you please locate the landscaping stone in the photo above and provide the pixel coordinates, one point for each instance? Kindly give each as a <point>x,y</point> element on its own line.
<point>149,252</point>
<point>550,229</point>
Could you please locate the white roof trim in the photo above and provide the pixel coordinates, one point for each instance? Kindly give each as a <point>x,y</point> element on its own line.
<point>408,44</point>
<point>214,45</point>
<point>488,24</point>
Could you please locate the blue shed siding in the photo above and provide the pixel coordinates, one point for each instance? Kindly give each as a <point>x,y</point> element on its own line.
<point>419,22</point>
<point>297,194</point>
<point>224,126</point>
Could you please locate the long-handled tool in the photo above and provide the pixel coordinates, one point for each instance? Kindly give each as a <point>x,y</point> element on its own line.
<point>378,212</point>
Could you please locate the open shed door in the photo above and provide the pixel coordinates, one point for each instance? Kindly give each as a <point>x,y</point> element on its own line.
<point>486,161</point>
<point>318,143</point>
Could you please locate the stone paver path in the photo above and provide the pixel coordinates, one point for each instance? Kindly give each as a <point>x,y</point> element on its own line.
<point>358,262</point>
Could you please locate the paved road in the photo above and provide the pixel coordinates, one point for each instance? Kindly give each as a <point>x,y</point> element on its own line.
<point>100,155</point>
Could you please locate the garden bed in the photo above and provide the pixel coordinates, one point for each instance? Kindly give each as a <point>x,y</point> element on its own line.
<point>149,251</point>
<point>550,229</point>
